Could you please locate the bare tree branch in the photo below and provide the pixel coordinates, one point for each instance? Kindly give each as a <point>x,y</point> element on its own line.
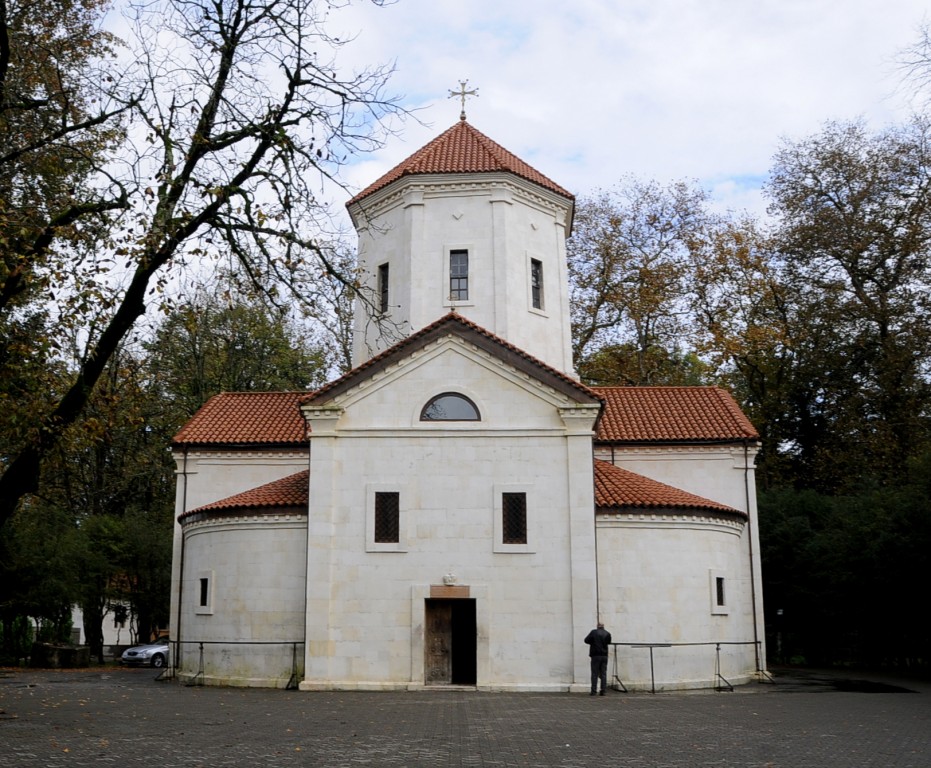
<point>235,108</point>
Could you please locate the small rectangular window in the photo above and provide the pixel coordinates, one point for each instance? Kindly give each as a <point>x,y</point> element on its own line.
<point>383,288</point>
<point>717,584</point>
<point>387,517</point>
<point>459,275</point>
<point>205,584</point>
<point>536,283</point>
<point>514,518</point>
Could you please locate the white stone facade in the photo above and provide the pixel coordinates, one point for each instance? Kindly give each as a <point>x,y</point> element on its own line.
<point>366,607</point>
<point>674,561</point>
<point>318,591</point>
<point>504,223</point>
<point>248,627</point>
<point>255,566</point>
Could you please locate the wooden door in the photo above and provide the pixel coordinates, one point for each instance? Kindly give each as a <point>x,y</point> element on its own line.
<point>438,667</point>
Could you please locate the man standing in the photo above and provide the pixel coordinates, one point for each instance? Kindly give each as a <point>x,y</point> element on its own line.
<point>598,641</point>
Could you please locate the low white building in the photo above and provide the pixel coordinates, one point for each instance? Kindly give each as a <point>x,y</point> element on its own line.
<point>459,509</point>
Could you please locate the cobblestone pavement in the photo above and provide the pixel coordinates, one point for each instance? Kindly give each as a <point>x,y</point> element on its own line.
<point>125,717</point>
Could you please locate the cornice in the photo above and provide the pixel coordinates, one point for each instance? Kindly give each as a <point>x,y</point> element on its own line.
<point>238,453</point>
<point>651,518</point>
<point>604,448</point>
<point>237,518</point>
<point>442,185</point>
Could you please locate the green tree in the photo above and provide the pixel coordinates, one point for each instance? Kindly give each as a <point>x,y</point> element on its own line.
<point>111,476</point>
<point>100,559</point>
<point>625,365</point>
<point>834,567</point>
<point>109,482</point>
<point>38,577</point>
<point>754,329</point>
<point>213,345</point>
<point>853,211</point>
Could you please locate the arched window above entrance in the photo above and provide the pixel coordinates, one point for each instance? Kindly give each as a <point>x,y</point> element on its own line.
<point>450,406</point>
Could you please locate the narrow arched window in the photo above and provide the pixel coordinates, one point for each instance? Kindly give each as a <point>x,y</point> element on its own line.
<point>450,407</point>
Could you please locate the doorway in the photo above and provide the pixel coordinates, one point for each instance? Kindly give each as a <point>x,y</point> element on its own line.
<point>449,642</point>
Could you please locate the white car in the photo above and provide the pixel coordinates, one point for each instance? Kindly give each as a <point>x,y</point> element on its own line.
<point>152,654</point>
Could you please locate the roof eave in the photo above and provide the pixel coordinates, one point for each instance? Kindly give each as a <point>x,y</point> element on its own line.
<point>357,206</point>
<point>239,446</point>
<point>678,441</point>
<point>267,510</point>
<point>643,509</point>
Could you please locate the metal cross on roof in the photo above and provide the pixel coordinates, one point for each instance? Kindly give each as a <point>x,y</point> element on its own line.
<point>462,93</point>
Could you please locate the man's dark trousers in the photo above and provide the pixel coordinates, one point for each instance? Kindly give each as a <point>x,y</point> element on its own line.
<point>599,672</point>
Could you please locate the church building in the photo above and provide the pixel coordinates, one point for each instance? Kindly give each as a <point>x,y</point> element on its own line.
<point>459,509</point>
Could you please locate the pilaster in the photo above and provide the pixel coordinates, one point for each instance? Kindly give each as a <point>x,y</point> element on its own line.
<point>580,422</point>
<point>324,468</point>
<point>501,201</point>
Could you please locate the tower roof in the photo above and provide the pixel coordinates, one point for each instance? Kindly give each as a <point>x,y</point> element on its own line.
<point>462,149</point>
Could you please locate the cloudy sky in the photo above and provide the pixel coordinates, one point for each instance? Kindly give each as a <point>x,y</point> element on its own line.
<point>587,91</point>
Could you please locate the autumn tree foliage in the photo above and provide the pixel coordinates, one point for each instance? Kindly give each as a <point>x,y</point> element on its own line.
<point>57,127</point>
<point>58,119</point>
<point>854,216</point>
<point>818,319</point>
<point>210,132</point>
<point>628,269</point>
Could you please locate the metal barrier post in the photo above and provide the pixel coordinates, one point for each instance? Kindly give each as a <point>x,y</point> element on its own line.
<point>198,679</point>
<point>293,682</point>
<point>618,684</point>
<point>651,646</point>
<point>717,671</point>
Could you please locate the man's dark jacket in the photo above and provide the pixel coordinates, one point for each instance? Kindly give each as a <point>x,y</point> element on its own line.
<point>598,641</point>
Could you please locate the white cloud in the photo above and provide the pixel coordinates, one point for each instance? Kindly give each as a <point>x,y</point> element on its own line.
<point>590,90</point>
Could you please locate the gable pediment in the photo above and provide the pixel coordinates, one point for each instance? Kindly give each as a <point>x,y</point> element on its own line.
<point>484,343</point>
<point>393,394</point>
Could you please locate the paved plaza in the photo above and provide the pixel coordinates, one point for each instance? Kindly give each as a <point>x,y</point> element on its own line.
<point>125,717</point>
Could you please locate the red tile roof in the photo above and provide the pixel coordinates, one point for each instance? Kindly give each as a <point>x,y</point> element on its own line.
<point>247,419</point>
<point>290,491</point>
<point>671,415</point>
<point>274,419</point>
<point>462,149</point>
<point>618,489</point>
<point>615,489</point>
<point>637,415</point>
